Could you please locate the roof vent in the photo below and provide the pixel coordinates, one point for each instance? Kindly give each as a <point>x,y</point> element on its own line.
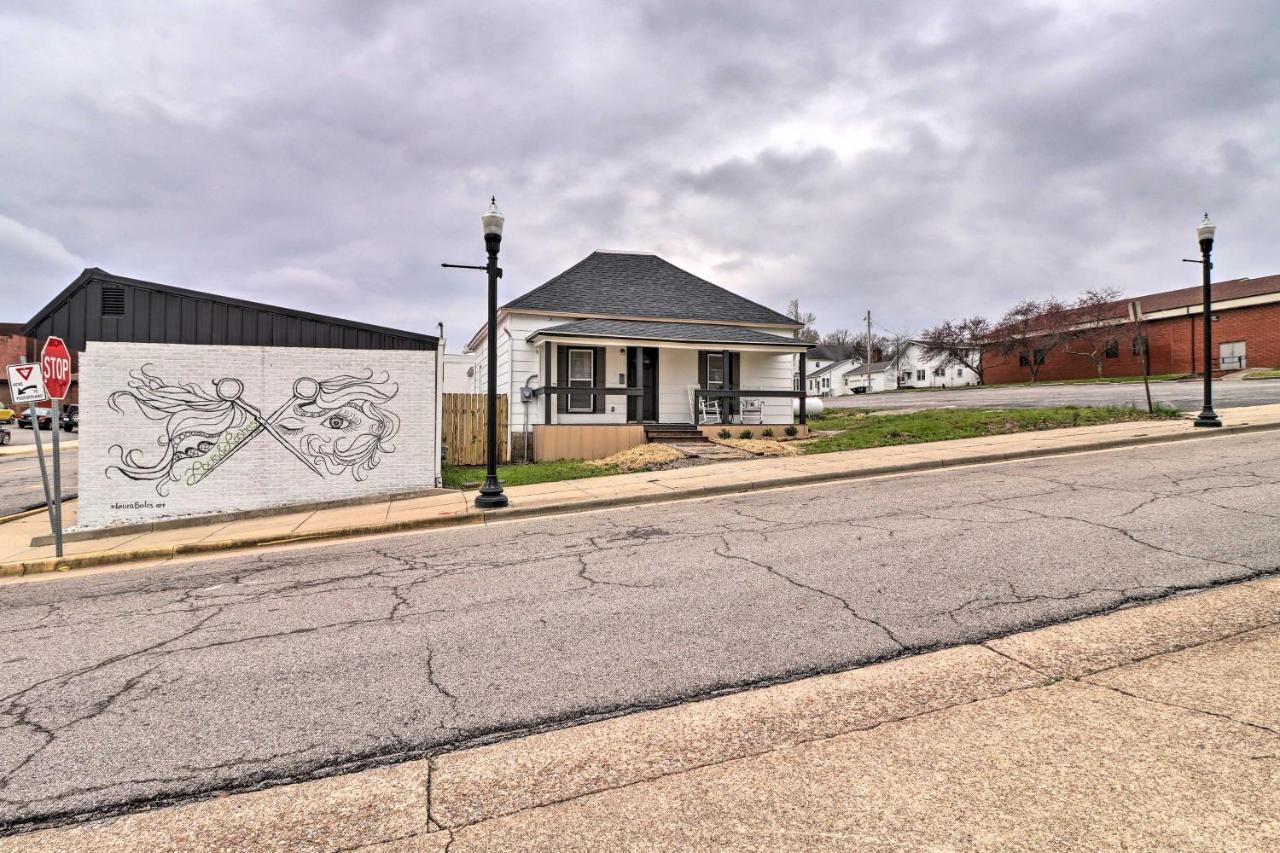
<point>112,301</point>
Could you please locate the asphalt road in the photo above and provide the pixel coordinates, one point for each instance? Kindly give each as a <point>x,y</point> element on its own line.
<point>127,688</point>
<point>1186,395</point>
<point>20,485</point>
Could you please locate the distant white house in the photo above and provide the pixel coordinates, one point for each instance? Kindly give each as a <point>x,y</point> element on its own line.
<point>854,377</point>
<point>823,381</point>
<point>909,367</point>
<point>914,369</point>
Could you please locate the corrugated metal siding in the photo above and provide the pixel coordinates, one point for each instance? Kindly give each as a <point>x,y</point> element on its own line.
<point>159,316</point>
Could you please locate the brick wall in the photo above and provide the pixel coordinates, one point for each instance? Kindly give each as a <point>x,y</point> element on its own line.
<point>1175,348</point>
<point>155,453</point>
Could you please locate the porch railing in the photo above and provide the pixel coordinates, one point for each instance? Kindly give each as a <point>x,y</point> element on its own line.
<point>738,393</point>
<point>549,392</point>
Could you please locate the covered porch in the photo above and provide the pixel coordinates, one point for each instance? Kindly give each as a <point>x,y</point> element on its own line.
<point>609,385</point>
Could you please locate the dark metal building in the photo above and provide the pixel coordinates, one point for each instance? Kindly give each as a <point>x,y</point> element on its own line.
<point>99,306</point>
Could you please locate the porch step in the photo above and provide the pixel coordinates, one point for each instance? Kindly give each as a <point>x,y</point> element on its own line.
<point>670,433</point>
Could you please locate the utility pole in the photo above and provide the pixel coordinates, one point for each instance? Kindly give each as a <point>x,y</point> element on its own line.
<point>868,365</point>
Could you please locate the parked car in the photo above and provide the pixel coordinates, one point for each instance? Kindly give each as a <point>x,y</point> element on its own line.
<point>42,416</point>
<point>71,418</point>
<point>7,416</point>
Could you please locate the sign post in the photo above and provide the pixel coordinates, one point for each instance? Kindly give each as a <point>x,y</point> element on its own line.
<point>26,385</point>
<point>1135,315</point>
<point>55,363</point>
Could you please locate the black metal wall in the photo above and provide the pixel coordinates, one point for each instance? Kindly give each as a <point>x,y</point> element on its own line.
<point>153,313</point>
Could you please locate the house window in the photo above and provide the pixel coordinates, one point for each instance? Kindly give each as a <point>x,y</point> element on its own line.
<point>919,375</point>
<point>1023,361</point>
<point>582,368</point>
<point>940,371</point>
<point>715,370</point>
<point>1139,344</point>
<point>1113,349</point>
<point>906,376</point>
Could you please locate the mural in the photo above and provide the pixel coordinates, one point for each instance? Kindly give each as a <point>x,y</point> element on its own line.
<point>331,426</point>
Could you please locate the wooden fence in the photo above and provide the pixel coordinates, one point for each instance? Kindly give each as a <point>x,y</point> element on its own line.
<point>463,428</point>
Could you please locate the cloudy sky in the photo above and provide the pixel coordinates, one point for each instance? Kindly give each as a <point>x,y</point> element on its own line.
<point>920,159</point>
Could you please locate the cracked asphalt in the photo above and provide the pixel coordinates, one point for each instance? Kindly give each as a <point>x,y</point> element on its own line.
<point>122,690</point>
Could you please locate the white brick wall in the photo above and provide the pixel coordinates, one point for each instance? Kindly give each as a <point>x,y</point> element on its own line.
<point>370,430</point>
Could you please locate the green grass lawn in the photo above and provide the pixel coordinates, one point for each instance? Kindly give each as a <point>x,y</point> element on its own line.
<point>858,429</point>
<point>524,475</point>
<point>1265,374</point>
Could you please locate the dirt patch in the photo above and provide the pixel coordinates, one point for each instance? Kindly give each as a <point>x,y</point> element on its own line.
<point>759,446</point>
<point>645,457</point>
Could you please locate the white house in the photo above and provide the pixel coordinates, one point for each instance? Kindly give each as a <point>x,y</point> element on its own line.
<point>823,381</point>
<point>914,369</point>
<point>854,377</point>
<point>624,347</point>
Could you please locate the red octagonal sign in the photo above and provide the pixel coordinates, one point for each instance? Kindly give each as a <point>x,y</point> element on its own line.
<point>55,362</point>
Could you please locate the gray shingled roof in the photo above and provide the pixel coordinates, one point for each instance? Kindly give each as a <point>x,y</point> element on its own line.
<point>624,284</point>
<point>701,333</point>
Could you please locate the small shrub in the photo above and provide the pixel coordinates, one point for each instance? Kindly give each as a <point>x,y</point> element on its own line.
<point>746,433</point>
<point>724,433</point>
<point>792,431</point>
<point>768,433</point>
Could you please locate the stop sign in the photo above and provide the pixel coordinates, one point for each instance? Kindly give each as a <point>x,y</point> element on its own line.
<point>55,363</point>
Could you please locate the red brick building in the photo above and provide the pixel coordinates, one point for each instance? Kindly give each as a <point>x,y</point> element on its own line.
<point>1246,333</point>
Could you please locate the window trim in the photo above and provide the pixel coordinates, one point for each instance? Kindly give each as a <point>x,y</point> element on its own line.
<point>570,407</point>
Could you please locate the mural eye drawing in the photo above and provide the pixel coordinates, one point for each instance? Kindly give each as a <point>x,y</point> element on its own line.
<point>334,426</point>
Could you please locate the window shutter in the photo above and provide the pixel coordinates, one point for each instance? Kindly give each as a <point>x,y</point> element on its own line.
<point>598,378</point>
<point>562,378</point>
<point>702,369</point>
<point>733,362</point>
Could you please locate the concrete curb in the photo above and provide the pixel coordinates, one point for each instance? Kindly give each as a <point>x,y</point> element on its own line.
<point>107,558</point>
<point>30,449</point>
<point>420,805</point>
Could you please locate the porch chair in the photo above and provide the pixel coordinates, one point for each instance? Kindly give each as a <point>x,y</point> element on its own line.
<point>708,410</point>
<point>752,411</point>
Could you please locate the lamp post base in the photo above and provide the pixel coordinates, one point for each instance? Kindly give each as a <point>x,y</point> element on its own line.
<point>492,497</point>
<point>1208,418</point>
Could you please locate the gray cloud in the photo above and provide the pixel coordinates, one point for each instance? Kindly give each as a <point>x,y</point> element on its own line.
<point>919,159</point>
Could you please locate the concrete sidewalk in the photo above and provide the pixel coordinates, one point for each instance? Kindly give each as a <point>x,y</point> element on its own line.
<point>18,555</point>
<point>1155,727</point>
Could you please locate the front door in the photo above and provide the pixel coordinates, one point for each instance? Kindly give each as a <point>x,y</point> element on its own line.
<point>643,409</point>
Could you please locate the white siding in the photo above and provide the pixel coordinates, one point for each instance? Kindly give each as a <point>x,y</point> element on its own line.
<point>677,373</point>
<point>763,371</point>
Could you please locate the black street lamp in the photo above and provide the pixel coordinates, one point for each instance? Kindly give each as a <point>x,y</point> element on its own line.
<point>491,495</point>
<point>1204,233</point>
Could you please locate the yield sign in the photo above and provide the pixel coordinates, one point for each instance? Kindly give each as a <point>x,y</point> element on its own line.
<point>26,385</point>
<point>55,362</point>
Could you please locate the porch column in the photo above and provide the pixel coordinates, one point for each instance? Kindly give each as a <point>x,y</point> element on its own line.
<point>804,387</point>
<point>546,382</point>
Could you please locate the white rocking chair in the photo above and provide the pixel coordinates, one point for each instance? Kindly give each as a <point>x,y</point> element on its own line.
<point>707,411</point>
<point>752,412</point>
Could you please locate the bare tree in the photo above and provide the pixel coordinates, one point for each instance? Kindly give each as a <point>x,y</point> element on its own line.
<point>1031,330</point>
<point>842,344</point>
<point>804,318</point>
<point>1093,328</point>
<point>959,343</point>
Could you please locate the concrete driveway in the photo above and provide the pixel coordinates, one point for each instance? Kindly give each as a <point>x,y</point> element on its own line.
<point>1184,395</point>
<point>124,689</point>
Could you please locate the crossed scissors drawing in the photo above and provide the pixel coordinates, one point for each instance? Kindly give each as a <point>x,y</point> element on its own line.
<point>305,390</point>
<point>332,426</point>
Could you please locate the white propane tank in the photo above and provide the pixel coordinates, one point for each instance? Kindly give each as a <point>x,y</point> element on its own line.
<point>812,406</point>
